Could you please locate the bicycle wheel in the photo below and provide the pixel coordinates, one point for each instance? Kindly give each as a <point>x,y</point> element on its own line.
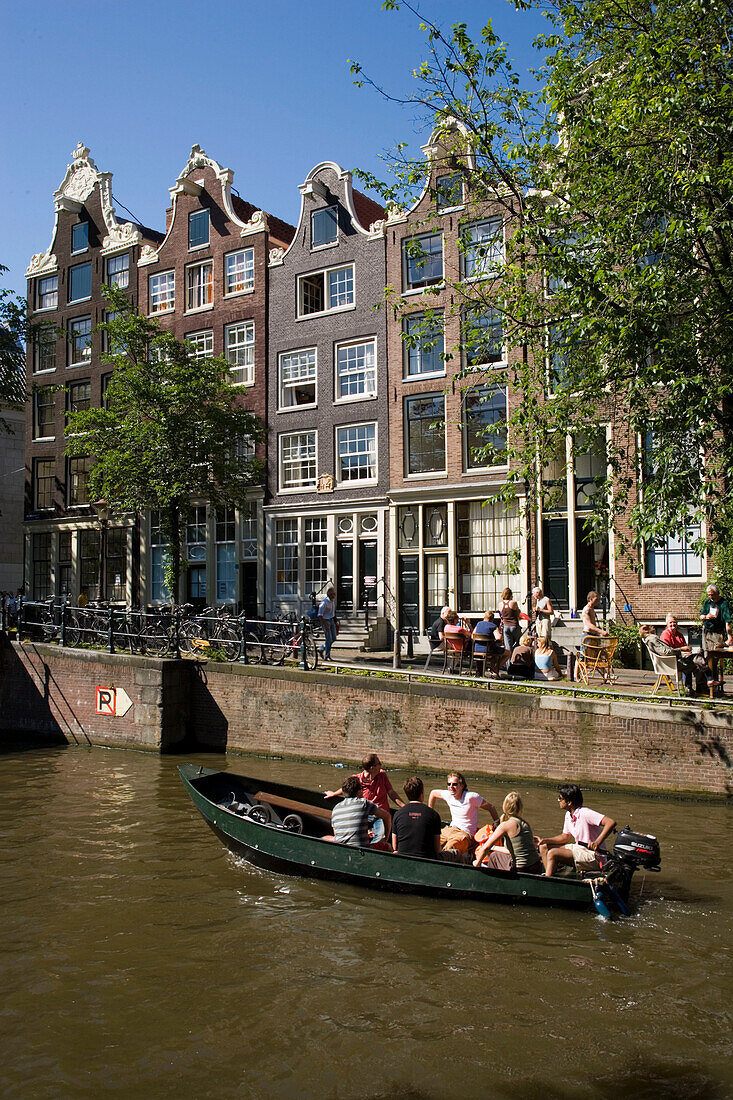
<point>227,641</point>
<point>73,632</point>
<point>253,646</point>
<point>187,634</point>
<point>273,648</point>
<point>155,640</point>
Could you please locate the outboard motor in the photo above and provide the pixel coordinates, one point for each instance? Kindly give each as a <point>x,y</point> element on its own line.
<point>637,849</point>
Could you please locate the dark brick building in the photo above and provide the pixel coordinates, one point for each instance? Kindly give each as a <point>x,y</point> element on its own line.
<point>328,468</point>
<point>89,246</point>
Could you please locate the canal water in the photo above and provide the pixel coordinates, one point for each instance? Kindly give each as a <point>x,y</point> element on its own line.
<point>140,959</point>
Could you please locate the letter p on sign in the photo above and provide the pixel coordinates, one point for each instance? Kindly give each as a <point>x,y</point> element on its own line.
<point>114,702</point>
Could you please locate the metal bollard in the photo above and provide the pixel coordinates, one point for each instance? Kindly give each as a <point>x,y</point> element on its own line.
<point>396,655</point>
<point>64,621</point>
<point>176,647</point>
<point>111,629</point>
<point>243,658</point>
<point>303,635</point>
<point>410,653</point>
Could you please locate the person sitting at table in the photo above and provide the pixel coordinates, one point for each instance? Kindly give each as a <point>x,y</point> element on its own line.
<point>456,632</point>
<point>518,837</point>
<point>487,645</point>
<point>546,666</point>
<point>690,665</point>
<point>464,807</point>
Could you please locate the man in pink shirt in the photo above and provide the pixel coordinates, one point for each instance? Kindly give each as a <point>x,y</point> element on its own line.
<point>584,831</point>
<point>375,785</point>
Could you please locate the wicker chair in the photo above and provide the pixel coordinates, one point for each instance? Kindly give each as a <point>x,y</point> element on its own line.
<point>595,658</point>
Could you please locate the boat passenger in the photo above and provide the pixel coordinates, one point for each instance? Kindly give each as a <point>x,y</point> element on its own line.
<point>518,837</point>
<point>584,831</point>
<point>415,826</point>
<point>375,784</point>
<point>464,808</point>
<point>350,818</point>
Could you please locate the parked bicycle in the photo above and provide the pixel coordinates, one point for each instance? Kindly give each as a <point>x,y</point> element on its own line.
<point>213,630</point>
<point>283,643</point>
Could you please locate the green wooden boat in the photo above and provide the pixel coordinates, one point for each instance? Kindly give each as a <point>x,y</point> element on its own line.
<point>280,828</point>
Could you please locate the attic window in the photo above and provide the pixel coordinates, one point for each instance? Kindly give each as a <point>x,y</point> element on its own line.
<point>198,229</point>
<point>324,226</point>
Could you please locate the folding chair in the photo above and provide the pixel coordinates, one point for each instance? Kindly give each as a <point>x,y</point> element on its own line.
<point>438,647</point>
<point>595,658</point>
<point>666,669</point>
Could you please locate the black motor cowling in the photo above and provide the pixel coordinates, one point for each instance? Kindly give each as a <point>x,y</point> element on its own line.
<point>639,849</point>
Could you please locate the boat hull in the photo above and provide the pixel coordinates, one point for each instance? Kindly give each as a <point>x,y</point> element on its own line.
<point>276,849</point>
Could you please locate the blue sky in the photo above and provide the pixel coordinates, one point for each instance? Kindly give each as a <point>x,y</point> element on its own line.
<point>264,88</point>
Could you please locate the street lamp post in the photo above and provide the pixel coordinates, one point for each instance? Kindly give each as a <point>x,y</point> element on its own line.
<point>102,509</point>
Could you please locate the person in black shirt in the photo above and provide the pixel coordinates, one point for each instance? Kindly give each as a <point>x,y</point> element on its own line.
<point>415,827</point>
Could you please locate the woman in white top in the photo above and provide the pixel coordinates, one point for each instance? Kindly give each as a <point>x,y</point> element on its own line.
<point>464,808</point>
<point>544,612</point>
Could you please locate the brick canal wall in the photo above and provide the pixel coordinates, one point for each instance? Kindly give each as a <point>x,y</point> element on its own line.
<point>318,715</point>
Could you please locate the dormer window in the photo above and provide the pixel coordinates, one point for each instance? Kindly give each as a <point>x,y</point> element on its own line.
<point>80,237</point>
<point>324,226</point>
<point>198,229</point>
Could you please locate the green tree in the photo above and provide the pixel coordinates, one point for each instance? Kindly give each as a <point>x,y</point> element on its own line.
<point>616,179</point>
<point>172,428</point>
<point>13,333</point>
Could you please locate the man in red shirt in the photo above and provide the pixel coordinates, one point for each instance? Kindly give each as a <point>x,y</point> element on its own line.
<point>689,665</point>
<point>375,784</point>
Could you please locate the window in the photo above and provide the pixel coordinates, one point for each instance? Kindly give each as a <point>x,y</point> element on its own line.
<point>298,460</point>
<point>316,554</point>
<point>239,348</point>
<point>198,229</point>
<point>484,408</point>
<point>324,226</point>
<point>483,337</point>
<point>425,433</point>
<point>78,396</point>
<point>104,383</point>
<point>200,285</point>
<point>41,565</point>
<point>80,341</point>
<point>195,533</point>
<point>80,237</point>
<point>43,483</point>
<point>673,556</point>
<point>356,370</point>
<point>162,291</point>
<point>43,413</point>
<point>298,378</point>
<point>248,516</point>
<point>357,452</point>
<point>118,270</point>
<point>159,591</point>
<point>286,557</point>
<point>558,357</point>
<point>44,349</point>
<point>80,282</point>
<point>591,463</point>
<point>47,292</point>
<point>422,335</point>
<point>64,563</point>
<point>322,291</point>
<point>77,481</point>
<point>239,271</point>
<point>483,247</point>
<point>224,532</point>
<point>203,343</point>
<point>487,542</point>
<point>116,564</point>
<point>422,261</point>
<point>88,544</point>
<point>449,191</point>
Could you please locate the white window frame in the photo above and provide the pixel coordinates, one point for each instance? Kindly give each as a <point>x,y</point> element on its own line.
<point>326,272</point>
<point>39,343</point>
<point>162,298</point>
<point>407,404</point>
<point>79,251</point>
<point>47,391</point>
<point>422,285</point>
<point>86,297</point>
<point>87,353</point>
<point>407,350</point>
<point>240,353</point>
<point>325,244</point>
<point>196,286</point>
<point>468,466</point>
<point>114,278</point>
<point>342,430</point>
<point>53,279</point>
<point>204,244</point>
<point>492,259</point>
<point>233,277</point>
<point>309,439</point>
<point>203,342</point>
<point>368,371</point>
<point>282,387</point>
